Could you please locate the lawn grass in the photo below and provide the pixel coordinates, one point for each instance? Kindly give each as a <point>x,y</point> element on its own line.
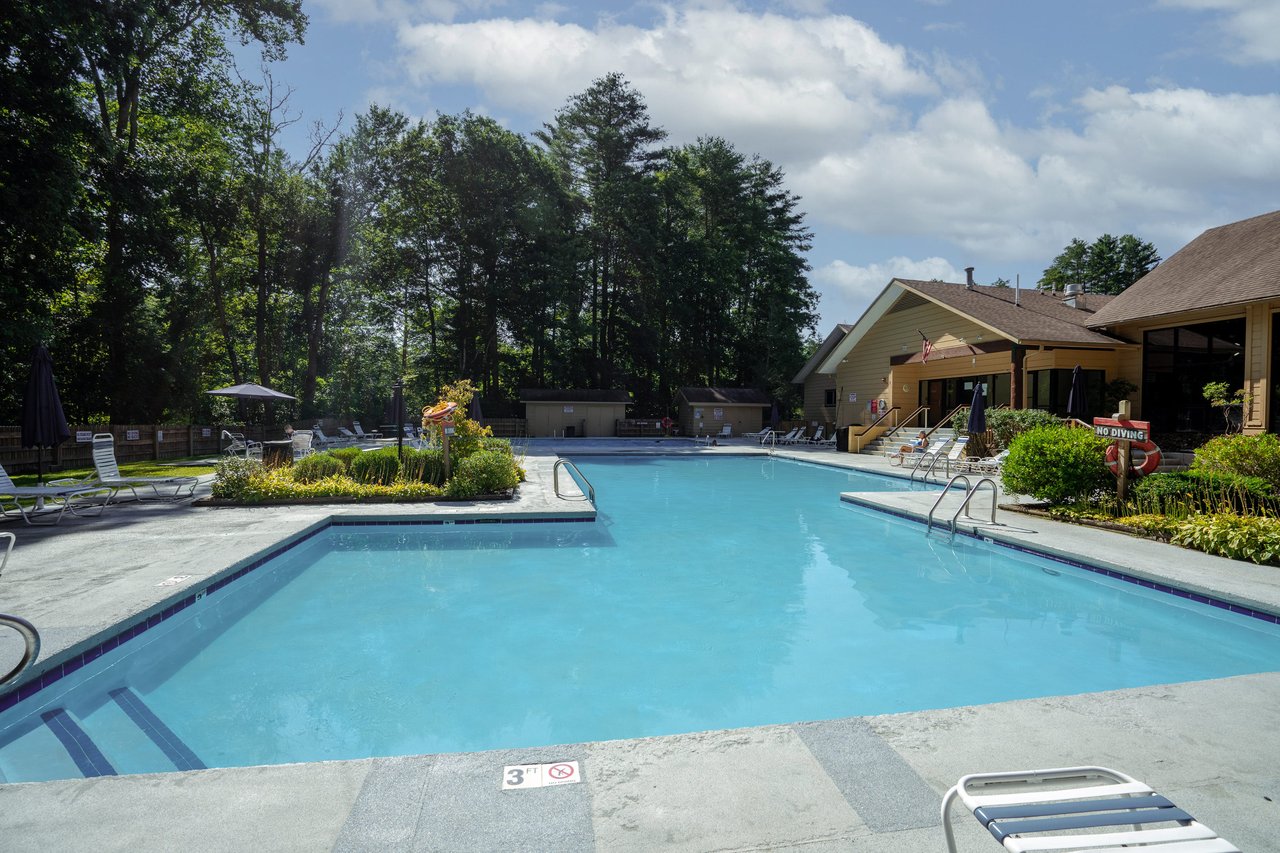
<point>146,468</point>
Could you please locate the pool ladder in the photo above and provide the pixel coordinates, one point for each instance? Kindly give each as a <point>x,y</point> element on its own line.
<point>555,480</point>
<point>30,636</point>
<point>933,460</point>
<point>970,491</point>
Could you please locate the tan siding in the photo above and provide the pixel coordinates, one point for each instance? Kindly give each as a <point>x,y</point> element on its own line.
<point>815,388</point>
<point>590,419</point>
<point>742,418</point>
<point>866,370</point>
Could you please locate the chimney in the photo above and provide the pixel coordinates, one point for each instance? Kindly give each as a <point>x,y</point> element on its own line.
<point>968,273</point>
<point>1073,295</point>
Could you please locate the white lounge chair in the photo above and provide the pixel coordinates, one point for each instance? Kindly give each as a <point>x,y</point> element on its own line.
<point>816,438</point>
<point>347,435</point>
<point>986,464</point>
<point>361,434</point>
<point>104,462</point>
<point>1077,809</point>
<point>320,440</point>
<point>238,445</point>
<point>790,437</point>
<point>61,496</point>
<point>302,443</point>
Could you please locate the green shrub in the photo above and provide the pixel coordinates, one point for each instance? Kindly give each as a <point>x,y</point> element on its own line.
<point>234,475</point>
<point>1234,536</point>
<point>422,466</point>
<point>1151,524</point>
<point>484,472</point>
<point>346,455</point>
<point>1057,464</point>
<point>1006,424</point>
<point>1182,493</point>
<point>316,467</point>
<point>278,485</point>
<point>1243,455</point>
<point>377,467</point>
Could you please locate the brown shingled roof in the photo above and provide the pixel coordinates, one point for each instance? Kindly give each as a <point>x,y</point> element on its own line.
<point>1038,316</point>
<point>1228,265</point>
<point>731,396</point>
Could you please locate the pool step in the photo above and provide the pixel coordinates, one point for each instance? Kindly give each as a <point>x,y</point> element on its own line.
<point>174,748</point>
<point>121,736</point>
<point>83,751</point>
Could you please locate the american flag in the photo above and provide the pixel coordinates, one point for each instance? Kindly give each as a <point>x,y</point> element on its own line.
<point>928,348</point>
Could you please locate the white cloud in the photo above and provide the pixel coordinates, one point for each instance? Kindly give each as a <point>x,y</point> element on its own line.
<point>1161,158</point>
<point>1252,27</point>
<point>847,290</point>
<point>786,88</point>
<point>370,11</point>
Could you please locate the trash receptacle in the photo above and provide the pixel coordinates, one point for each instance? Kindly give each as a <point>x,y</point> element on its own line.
<point>842,439</point>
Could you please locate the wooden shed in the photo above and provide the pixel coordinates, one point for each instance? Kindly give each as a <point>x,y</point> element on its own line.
<point>705,411</point>
<point>573,413</point>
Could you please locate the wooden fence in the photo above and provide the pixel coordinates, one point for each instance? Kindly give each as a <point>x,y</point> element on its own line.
<point>134,442</point>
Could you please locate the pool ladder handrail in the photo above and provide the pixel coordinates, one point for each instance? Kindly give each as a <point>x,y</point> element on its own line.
<point>555,480</point>
<point>970,491</point>
<point>772,438</point>
<point>30,636</point>
<point>933,458</point>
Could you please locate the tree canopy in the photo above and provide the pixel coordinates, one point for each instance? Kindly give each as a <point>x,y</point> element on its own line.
<point>159,238</point>
<point>1107,265</point>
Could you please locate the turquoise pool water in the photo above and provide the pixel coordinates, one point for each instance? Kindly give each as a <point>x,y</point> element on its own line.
<point>709,594</point>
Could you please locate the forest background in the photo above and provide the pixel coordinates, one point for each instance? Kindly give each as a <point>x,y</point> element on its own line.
<point>157,237</point>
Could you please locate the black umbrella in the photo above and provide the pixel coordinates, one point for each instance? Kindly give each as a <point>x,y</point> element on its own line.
<point>43,423</point>
<point>977,411</point>
<point>773,416</point>
<point>476,414</point>
<point>1077,406</point>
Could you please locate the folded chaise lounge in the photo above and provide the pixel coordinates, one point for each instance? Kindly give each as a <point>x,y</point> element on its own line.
<point>1083,809</point>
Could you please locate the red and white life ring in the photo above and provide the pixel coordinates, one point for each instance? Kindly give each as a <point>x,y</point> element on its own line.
<point>1150,460</point>
<point>666,423</point>
<point>438,412</point>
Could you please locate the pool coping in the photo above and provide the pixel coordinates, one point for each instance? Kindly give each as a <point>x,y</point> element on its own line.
<point>348,804</point>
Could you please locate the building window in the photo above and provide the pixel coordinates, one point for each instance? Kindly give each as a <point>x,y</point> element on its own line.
<point>1176,365</point>
<point>829,397</point>
<point>1051,391</point>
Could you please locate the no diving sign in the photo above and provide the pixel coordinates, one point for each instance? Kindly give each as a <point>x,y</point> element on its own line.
<point>540,775</point>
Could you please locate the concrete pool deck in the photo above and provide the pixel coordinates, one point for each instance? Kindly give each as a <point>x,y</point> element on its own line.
<point>869,783</point>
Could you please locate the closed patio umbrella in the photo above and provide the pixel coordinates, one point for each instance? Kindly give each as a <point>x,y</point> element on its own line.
<point>476,413</point>
<point>977,412</point>
<point>43,423</point>
<point>1077,406</point>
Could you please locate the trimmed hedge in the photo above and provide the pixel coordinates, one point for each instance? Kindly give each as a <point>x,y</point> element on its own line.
<point>484,472</point>
<point>1199,490</point>
<point>1242,455</point>
<point>1007,424</point>
<point>1057,464</point>
<point>316,467</point>
<point>376,467</point>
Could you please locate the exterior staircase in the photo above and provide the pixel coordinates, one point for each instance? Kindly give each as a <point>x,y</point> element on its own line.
<point>891,441</point>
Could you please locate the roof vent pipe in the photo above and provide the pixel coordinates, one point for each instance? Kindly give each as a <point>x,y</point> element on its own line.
<point>1072,293</point>
<point>968,272</point>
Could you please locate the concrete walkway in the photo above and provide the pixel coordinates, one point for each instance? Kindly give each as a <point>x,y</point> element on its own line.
<point>867,784</point>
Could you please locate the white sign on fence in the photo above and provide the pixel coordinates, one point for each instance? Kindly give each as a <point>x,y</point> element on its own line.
<point>159,435</point>
<point>84,436</point>
<point>206,432</point>
<point>568,410</point>
<point>131,435</point>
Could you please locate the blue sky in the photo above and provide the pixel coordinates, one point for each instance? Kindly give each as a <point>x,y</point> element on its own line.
<point>923,136</point>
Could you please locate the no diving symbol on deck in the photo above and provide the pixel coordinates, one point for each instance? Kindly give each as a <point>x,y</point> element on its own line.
<point>540,775</point>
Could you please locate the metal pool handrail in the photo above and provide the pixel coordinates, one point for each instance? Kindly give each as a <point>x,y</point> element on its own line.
<point>555,479</point>
<point>969,493</point>
<point>30,636</point>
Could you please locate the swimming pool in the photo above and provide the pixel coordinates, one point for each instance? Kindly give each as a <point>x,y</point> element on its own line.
<point>710,593</point>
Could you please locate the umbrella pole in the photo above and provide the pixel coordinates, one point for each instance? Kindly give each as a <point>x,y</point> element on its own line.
<point>39,476</point>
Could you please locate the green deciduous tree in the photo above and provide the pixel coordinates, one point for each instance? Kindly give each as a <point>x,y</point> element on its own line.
<point>1107,265</point>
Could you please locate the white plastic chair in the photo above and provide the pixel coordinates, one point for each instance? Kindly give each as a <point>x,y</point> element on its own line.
<point>109,476</point>
<point>61,496</point>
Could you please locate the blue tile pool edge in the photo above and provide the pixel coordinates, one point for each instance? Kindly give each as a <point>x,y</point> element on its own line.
<point>62,664</point>
<point>993,538</point>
